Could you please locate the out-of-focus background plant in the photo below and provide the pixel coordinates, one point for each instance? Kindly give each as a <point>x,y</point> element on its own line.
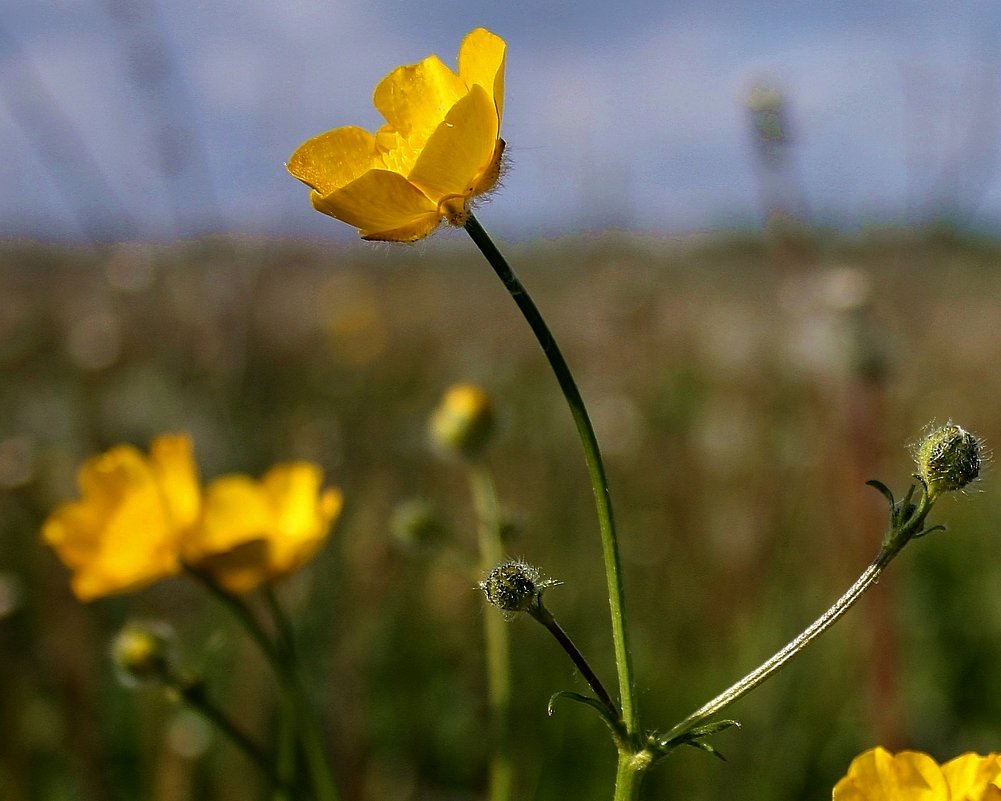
<point>741,406</point>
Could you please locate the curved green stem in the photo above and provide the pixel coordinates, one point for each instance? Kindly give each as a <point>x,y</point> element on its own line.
<point>306,723</point>
<point>281,659</point>
<point>192,692</point>
<point>286,758</point>
<point>242,613</point>
<point>595,467</point>
<point>545,617</point>
<point>495,632</point>
<point>906,522</point>
<point>782,657</point>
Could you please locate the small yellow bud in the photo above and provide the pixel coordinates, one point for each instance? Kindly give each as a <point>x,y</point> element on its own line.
<point>463,421</point>
<point>514,586</point>
<point>948,459</point>
<point>140,651</point>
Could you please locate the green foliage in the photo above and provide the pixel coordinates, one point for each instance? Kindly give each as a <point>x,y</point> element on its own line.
<point>738,437</point>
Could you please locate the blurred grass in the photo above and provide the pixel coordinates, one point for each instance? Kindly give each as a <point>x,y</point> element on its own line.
<point>743,389</point>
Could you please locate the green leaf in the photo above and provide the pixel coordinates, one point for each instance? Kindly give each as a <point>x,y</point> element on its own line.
<point>693,737</point>
<point>883,489</point>
<point>594,703</point>
<point>703,746</point>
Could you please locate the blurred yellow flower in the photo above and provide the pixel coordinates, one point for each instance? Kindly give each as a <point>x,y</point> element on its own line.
<point>878,775</point>
<point>255,531</point>
<point>463,420</point>
<point>124,531</point>
<point>439,149</point>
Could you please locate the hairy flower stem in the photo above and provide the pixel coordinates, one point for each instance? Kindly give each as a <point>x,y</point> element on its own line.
<point>294,700</point>
<point>495,634</point>
<point>907,522</point>
<point>595,468</point>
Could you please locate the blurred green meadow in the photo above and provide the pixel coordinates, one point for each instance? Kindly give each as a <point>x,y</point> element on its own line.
<point>743,388</point>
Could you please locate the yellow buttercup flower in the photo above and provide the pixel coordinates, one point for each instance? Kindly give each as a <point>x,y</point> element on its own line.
<point>123,532</point>
<point>256,531</point>
<point>439,149</point>
<point>878,775</point>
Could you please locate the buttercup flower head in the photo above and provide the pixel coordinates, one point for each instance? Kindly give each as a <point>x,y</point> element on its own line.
<point>439,149</point>
<point>124,530</point>
<point>878,775</point>
<point>256,531</point>
<point>463,421</point>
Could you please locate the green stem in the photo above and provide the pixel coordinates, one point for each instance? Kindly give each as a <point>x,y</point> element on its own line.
<point>192,692</point>
<point>545,617</point>
<point>495,633</point>
<point>629,773</point>
<point>907,521</point>
<point>280,658</point>
<point>243,614</point>
<point>287,751</point>
<point>283,627</point>
<point>760,674</point>
<point>310,734</point>
<point>595,467</point>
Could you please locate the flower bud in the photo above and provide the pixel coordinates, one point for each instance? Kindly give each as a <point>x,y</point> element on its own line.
<point>139,651</point>
<point>948,459</point>
<point>416,522</point>
<point>463,421</point>
<point>514,586</point>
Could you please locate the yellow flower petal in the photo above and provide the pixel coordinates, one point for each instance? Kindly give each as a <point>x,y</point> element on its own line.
<point>878,775</point>
<point>415,98</point>
<point>384,205</point>
<point>969,776</point>
<point>334,159</point>
<point>460,150</point>
<point>440,147</point>
<point>255,531</point>
<point>173,461</point>
<point>303,515</point>
<point>122,533</point>
<point>236,511</point>
<point>481,61</point>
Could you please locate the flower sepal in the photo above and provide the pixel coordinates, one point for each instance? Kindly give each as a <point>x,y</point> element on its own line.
<point>614,724</point>
<point>694,738</point>
<point>907,517</point>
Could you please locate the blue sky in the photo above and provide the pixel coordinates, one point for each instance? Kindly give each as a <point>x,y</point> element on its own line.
<point>142,118</point>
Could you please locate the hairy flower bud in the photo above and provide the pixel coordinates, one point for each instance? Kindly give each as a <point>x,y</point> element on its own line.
<point>514,586</point>
<point>948,458</point>
<point>463,421</point>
